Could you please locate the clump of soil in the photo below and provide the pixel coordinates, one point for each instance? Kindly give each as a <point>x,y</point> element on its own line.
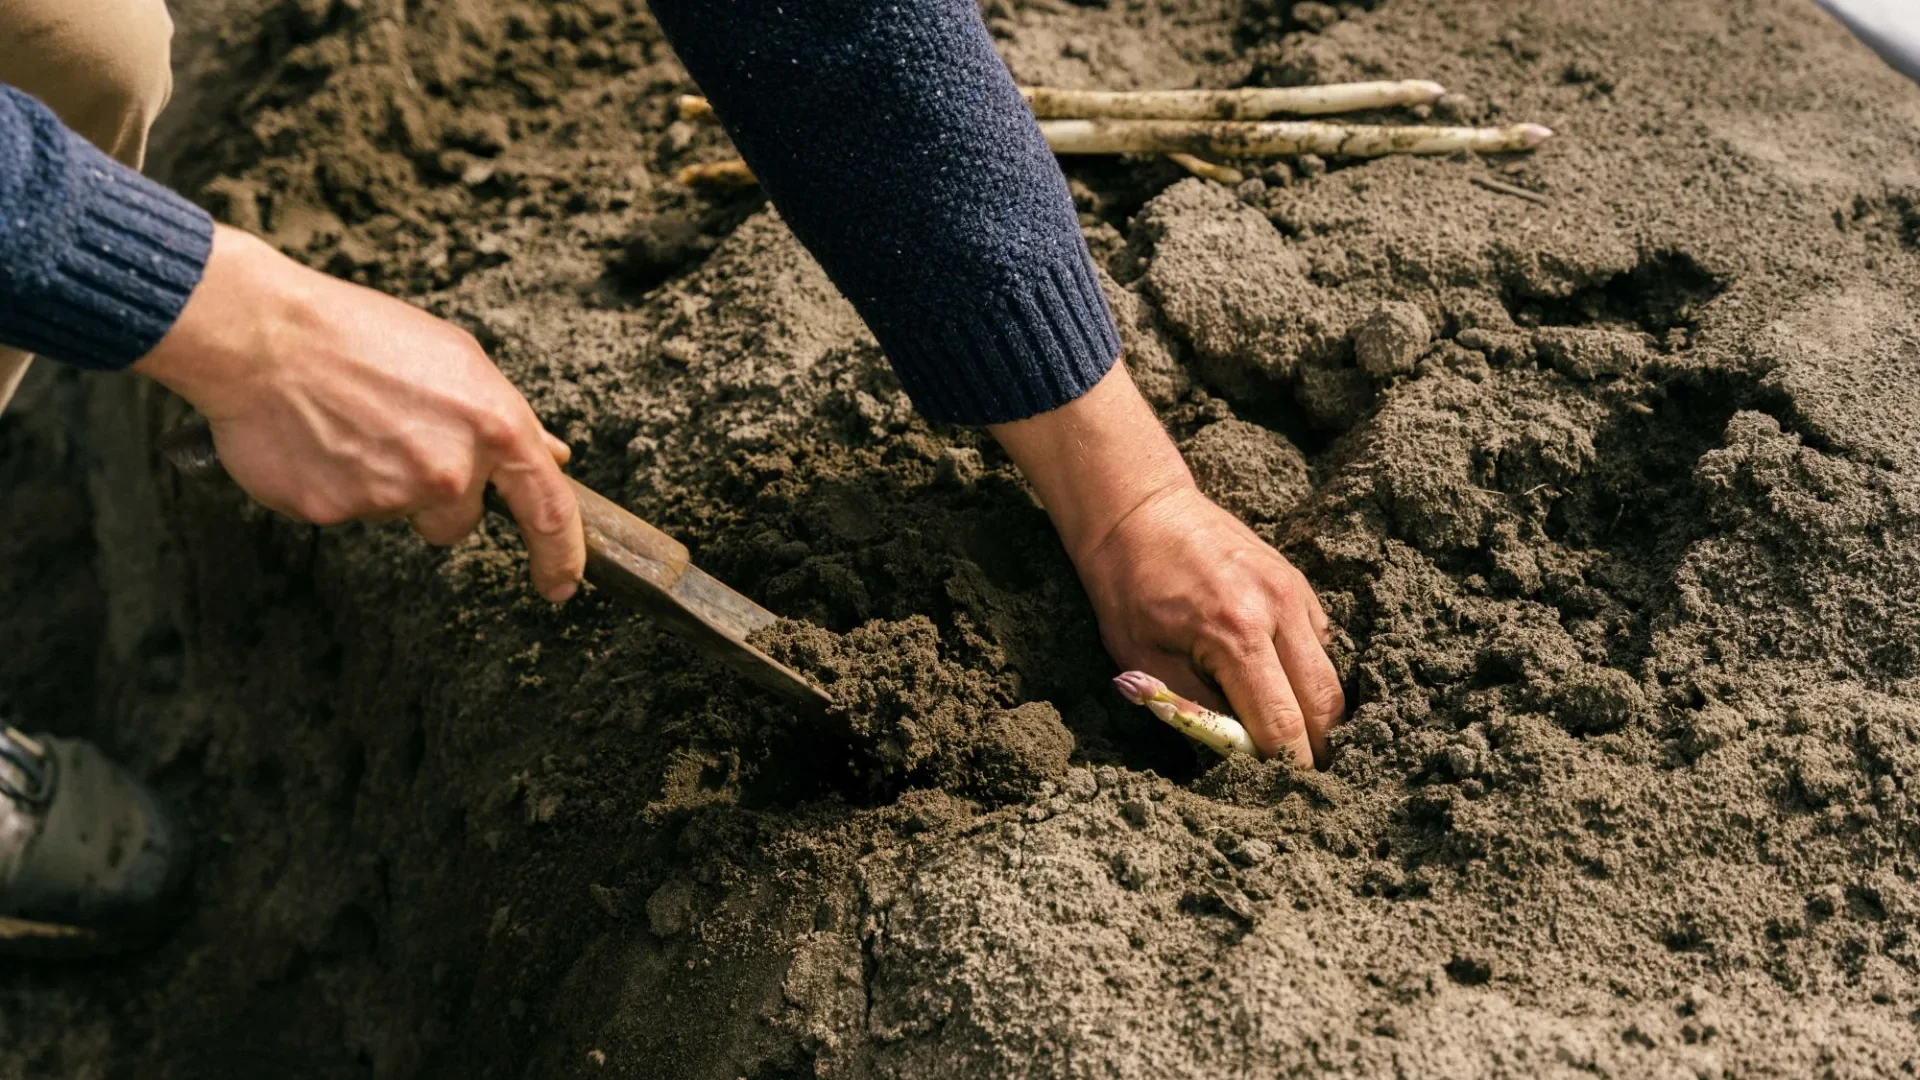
<point>1614,496</point>
<point>1250,470</point>
<point>915,718</point>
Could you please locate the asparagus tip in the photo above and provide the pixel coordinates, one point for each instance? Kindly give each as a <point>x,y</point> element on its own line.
<point>1138,686</point>
<point>1430,91</point>
<point>1532,135</point>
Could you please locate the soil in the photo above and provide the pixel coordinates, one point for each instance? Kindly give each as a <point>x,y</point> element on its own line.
<point>1614,494</point>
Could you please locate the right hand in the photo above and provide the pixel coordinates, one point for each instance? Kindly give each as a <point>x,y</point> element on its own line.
<point>330,402</point>
<point>1182,589</point>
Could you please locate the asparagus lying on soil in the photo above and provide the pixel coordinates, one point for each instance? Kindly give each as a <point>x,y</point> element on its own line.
<point>1244,139</point>
<point>1232,139</point>
<point>1247,103</point>
<point>1221,734</point>
<point>1186,124</point>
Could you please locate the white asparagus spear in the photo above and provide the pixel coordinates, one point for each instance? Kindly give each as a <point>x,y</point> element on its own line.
<point>734,173</point>
<point>1247,103</point>
<point>1243,139</point>
<point>1221,734</point>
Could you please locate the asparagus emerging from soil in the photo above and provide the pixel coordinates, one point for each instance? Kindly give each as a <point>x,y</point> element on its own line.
<point>1221,734</point>
<point>1248,103</point>
<point>1242,139</point>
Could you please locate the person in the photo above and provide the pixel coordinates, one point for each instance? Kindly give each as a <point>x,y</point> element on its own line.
<point>894,143</point>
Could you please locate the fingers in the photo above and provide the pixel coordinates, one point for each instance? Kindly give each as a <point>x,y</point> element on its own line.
<point>1317,616</point>
<point>1256,685</point>
<point>1311,676</point>
<point>449,523</point>
<point>548,513</point>
<point>562,453</point>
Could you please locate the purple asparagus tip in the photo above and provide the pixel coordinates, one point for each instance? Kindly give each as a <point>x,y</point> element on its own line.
<point>1137,686</point>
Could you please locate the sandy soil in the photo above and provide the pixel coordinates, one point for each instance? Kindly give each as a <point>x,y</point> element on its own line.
<point>1615,496</point>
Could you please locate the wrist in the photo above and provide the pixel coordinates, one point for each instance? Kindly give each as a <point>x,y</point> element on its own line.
<point>246,302</point>
<point>1096,461</point>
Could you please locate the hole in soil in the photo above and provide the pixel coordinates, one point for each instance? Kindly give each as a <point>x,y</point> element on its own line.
<point>1638,506</point>
<point>1115,189</point>
<point>668,245</point>
<point>796,1064</point>
<point>1663,292</point>
<point>1469,972</point>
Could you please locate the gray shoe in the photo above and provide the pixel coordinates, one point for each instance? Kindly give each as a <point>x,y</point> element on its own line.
<point>90,861</point>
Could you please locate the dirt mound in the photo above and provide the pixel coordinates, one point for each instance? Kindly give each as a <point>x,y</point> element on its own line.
<point>1612,493</point>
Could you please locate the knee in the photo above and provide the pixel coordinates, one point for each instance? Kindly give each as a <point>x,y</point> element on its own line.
<point>124,74</point>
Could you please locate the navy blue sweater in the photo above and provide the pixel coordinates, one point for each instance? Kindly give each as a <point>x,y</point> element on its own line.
<point>96,261</point>
<point>889,135</point>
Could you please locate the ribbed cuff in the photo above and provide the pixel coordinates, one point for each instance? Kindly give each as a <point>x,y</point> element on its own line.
<point>1026,348</point>
<point>133,252</point>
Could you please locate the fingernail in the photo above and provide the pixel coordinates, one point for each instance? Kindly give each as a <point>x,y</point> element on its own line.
<point>564,593</point>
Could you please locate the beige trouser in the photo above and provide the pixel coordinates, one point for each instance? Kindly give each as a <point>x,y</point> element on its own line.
<point>104,66</point>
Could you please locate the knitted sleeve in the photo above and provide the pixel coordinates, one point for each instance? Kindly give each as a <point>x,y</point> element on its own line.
<point>96,261</point>
<point>893,141</point>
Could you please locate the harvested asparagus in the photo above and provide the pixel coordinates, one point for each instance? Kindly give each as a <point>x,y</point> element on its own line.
<point>1232,139</point>
<point>1249,103</point>
<point>1207,170</point>
<point>1243,139</point>
<point>1221,734</point>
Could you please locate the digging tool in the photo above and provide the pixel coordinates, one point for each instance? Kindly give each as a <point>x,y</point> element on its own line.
<point>630,559</point>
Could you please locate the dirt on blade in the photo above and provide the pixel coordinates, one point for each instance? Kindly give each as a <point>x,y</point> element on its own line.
<point>1615,494</point>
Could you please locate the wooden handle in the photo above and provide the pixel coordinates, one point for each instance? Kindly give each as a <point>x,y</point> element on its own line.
<point>626,556</point>
<point>617,537</point>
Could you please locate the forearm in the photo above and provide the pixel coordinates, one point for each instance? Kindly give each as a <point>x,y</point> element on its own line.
<point>96,261</point>
<point>1095,461</point>
<point>894,143</point>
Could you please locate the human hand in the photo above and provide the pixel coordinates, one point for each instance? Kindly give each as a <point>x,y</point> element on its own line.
<point>1187,592</point>
<point>330,402</point>
<point>1183,590</point>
